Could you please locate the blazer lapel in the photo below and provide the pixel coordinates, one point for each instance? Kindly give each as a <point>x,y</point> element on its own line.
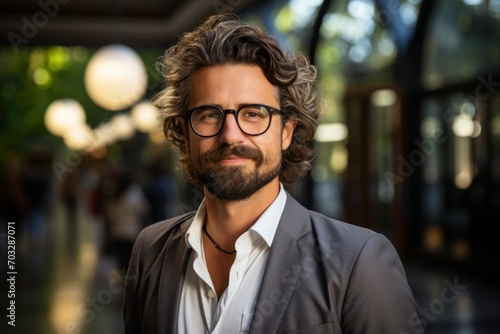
<point>283,269</point>
<point>171,279</point>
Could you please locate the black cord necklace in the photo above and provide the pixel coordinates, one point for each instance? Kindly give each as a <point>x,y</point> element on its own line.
<point>215,244</point>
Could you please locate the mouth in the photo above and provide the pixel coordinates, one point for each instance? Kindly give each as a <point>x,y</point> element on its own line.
<point>231,156</point>
<point>233,160</point>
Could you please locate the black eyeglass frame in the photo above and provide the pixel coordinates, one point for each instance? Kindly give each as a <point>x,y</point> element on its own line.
<point>235,112</point>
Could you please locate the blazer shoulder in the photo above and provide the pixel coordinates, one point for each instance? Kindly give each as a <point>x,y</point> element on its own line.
<point>346,240</point>
<point>163,228</point>
<point>338,227</point>
<point>313,230</point>
<point>151,240</point>
<point>298,221</point>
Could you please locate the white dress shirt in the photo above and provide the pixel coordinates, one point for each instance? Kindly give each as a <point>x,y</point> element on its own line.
<point>200,310</point>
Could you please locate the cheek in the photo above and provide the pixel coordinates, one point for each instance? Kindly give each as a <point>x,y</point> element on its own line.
<point>271,147</point>
<point>202,146</point>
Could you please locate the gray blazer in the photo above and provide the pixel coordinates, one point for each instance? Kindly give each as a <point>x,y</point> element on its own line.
<point>322,276</point>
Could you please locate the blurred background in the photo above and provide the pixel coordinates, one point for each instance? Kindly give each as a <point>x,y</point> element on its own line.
<point>409,144</point>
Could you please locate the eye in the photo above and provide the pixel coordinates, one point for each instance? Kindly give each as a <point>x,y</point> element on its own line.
<point>206,115</point>
<point>254,112</point>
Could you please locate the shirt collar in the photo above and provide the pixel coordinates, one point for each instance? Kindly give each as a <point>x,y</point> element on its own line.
<point>194,232</point>
<point>265,226</point>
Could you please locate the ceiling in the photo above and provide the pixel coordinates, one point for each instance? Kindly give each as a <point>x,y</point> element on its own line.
<point>138,23</point>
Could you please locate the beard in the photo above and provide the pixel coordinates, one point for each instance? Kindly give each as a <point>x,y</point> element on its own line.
<point>233,182</point>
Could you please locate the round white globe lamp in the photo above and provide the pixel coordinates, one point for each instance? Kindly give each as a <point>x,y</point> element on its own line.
<point>62,115</point>
<point>115,77</point>
<point>80,137</point>
<point>144,116</point>
<point>122,126</point>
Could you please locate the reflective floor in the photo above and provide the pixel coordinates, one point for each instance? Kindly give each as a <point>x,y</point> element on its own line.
<point>67,282</point>
<point>452,301</point>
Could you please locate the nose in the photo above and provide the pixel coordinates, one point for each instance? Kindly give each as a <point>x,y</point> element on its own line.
<point>231,133</point>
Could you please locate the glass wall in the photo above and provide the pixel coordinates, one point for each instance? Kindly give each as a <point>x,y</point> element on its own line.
<point>461,63</point>
<point>462,42</point>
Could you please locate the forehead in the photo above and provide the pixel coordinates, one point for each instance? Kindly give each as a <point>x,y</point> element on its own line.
<point>230,85</point>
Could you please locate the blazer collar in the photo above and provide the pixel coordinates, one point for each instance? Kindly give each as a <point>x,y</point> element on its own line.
<point>175,262</point>
<point>283,269</point>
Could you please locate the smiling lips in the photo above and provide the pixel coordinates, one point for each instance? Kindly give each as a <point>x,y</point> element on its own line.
<point>233,159</point>
<point>232,155</point>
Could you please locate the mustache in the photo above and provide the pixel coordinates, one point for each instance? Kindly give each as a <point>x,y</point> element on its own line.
<point>226,151</point>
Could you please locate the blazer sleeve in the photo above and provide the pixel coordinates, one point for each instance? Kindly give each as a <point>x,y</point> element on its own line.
<point>143,282</point>
<point>131,312</point>
<point>378,298</point>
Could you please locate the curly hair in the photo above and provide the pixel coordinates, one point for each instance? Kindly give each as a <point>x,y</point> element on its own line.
<point>225,39</point>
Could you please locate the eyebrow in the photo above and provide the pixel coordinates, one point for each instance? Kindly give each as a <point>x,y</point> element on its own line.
<point>237,106</point>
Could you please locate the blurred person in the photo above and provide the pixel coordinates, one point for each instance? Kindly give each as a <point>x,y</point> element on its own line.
<point>69,190</point>
<point>125,209</point>
<point>98,197</point>
<point>162,194</point>
<point>14,199</point>
<point>37,185</point>
<point>251,258</point>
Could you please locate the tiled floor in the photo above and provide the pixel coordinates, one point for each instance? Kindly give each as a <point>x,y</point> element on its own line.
<point>68,284</point>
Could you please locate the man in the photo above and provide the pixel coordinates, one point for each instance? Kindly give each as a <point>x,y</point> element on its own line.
<point>251,258</point>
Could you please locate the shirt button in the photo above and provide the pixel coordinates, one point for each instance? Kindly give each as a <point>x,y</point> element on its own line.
<point>211,294</point>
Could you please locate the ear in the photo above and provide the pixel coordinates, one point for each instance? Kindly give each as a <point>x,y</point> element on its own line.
<point>287,133</point>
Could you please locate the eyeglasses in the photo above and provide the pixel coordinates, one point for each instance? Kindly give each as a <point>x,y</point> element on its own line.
<point>252,119</point>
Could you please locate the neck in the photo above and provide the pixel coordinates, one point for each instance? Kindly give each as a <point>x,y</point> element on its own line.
<point>227,220</point>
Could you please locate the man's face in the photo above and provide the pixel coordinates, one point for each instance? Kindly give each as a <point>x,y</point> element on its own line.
<point>233,165</point>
